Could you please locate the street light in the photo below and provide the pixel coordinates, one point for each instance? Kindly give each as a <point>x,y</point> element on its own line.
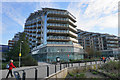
<point>20,53</point>
<point>58,58</point>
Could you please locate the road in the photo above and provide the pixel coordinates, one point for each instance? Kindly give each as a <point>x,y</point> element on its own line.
<point>42,69</point>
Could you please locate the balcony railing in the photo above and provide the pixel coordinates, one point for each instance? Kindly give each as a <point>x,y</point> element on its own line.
<point>73,33</point>
<point>58,31</point>
<point>72,28</point>
<point>73,39</point>
<point>57,12</point>
<point>71,22</point>
<point>56,18</point>
<point>38,30</point>
<point>33,34</point>
<point>38,35</point>
<point>60,25</point>
<point>58,37</point>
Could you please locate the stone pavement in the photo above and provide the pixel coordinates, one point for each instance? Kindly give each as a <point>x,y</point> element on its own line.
<point>4,72</point>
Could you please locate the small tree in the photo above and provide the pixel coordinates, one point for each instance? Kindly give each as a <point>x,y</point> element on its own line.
<point>90,52</point>
<point>98,53</point>
<point>25,56</point>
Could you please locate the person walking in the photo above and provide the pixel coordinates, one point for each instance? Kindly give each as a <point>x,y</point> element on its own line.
<point>11,66</point>
<point>103,59</point>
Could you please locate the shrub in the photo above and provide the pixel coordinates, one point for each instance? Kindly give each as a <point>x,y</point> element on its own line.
<point>94,72</point>
<point>71,74</point>
<point>81,75</point>
<point>29,61</point>
<point>110,66</point>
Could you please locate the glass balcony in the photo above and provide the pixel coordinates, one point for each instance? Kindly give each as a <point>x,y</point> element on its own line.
<point>58,37</point>
<point>112,41</point>
<point>39,24</point>
<point>56,18</point>
<point>60,25</point>
<point>58,42</point>
<point>30,30</point>
<point>33,39</point>
<point>33,34</point>
<point>58,31</point>
<point>38,30</point>
<point>57,12</point>
<point>38,35</point>
<point>34,30</point>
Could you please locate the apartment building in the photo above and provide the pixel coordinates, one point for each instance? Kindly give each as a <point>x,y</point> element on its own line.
<point>119,41</point>
<point>99,42</point>
<point>52,33</point>
<point>14,39</point>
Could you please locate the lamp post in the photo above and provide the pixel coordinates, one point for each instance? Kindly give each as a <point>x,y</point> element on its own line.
<point>20,54</point>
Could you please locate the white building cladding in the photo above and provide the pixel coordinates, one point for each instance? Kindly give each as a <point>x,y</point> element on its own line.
<point>52,33</point>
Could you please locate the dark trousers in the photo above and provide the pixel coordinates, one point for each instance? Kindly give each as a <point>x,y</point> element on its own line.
<point>9,72</point>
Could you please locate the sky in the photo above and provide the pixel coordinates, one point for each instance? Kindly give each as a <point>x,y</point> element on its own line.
<point>92,15</point>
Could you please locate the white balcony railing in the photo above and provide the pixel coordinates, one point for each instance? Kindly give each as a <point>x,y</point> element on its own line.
<point>73,33</point>
<point>72,28</point>
<point>73,39</point>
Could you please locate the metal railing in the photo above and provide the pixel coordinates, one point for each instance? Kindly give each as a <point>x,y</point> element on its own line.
<point>50,69</point>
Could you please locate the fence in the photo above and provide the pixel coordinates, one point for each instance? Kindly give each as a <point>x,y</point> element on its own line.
<point>46,70</point>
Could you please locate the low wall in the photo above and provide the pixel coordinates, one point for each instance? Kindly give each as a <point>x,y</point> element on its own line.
<point>60,74</point>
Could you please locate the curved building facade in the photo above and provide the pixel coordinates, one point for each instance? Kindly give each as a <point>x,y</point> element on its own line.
<point>52,33</point>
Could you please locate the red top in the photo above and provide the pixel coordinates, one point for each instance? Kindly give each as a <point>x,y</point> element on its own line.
<point>103,58</point>
<point>11,66</point>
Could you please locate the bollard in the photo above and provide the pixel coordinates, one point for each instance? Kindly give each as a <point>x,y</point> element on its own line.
<point>68,64</point>
<point>60,66</point>
<point>47,70</point>
<point>35,74</point>
<point>55,68</point>
<point>24,74</point>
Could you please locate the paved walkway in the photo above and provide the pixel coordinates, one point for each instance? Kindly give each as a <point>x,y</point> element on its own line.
<point>42,70</point>
<point>5,71</point>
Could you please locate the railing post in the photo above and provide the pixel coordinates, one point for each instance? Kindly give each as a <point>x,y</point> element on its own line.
<point>79,64</point>
<point>35,74</point>
<point>60,66</point>
<point>96,61</point>
<point>91,62</point>
<point>72,64</point>
<point>24,74</point>
<point>66,64</point>
<point>85,63</point>
<point>63,65</point>
<point>55,68</point>
<point>47,70</point>
<point>100,62</point>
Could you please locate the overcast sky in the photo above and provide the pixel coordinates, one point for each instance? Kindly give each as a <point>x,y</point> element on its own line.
<point>92,15</point>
